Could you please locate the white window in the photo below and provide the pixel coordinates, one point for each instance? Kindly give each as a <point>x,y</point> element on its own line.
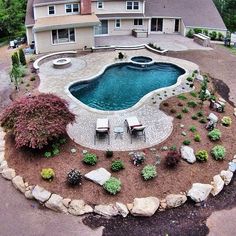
<point>138,21</point>
<point>72,8</point>
<point>63,36</point>
<point>100,5</point>
<point>51,10</point>
<point>132,5</point>
<point>117,23</point>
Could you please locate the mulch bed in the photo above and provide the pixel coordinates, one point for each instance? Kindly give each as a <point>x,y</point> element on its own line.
<point>29,164</point>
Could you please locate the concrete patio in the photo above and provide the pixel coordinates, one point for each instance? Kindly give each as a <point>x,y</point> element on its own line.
<point>159,125</point>
<point>171,42</point>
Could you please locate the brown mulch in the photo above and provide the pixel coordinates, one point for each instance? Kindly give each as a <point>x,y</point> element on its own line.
<point>29,164</point>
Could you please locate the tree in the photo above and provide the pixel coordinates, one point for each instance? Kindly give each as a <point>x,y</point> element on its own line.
<point>22,57</point>
<point>15,59</point>
<point>37,120</point>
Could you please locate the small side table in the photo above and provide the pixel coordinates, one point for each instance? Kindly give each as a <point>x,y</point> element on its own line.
<point>119,132</point>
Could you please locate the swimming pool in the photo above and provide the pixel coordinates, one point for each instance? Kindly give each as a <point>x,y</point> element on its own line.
<point>121,86</point>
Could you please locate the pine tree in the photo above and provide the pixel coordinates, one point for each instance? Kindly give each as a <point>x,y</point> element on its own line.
<point>15,59</point>
<point>22,57</point>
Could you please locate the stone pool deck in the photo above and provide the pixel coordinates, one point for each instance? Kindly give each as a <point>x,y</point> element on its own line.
<point>159,125</point>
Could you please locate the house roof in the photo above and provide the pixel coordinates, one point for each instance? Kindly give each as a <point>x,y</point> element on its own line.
<point>195,13</point>
<point>61,22</point>
<point>29,18</point>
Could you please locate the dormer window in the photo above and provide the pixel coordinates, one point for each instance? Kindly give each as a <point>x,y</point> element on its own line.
<point>100,5</point>
<point>132,5</point>
<point>51,10</point>
<point>72,8</point>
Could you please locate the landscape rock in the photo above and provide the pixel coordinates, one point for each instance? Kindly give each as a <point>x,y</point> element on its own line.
<point>19,184</point>
<point>213,117</point>
<point>175,200</point>
<point>3,166</point>
<point>2,157</point>
<point>232,166</point>
<point>85,152</point>
<point>226,175</point>
<point>222,100</point>
<point>99,176</point>
<point>181,126</point>
<point>40,194</point>
<point>66,202</point>
<point>130,206</point>
<point>28,192</point>
<point>199,77</point>
<point>164,148</point>
<point>183,133</point>
<point>199,192</point>
<point>55,203</point>
<point>78,207</point>
<point>106,210</point>
<point>218,185</point>
<point>8,173</point>
<point>145,206</point>
<point>187,153</point>
<point>122,209</point>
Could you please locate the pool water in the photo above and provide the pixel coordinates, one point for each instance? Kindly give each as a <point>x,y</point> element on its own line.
<point>121,86</point>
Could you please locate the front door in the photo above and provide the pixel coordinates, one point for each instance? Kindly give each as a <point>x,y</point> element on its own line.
<point>157,24</point>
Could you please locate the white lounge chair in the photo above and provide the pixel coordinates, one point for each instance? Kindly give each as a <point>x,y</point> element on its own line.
<point>135,128</point>
<point>102,129</point>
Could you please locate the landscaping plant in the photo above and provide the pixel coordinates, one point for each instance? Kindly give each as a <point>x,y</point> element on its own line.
<point>22,57</point>
<point>202,155</point>
<point>182,97</point>
<point>112,185</point>
<point>172,159</point>
<point>214,135</point>
<point>37,120</point>
<point>193,128</point>
<point>185,110</point>
<point>226,121</point>
<point>192,104</point>
<point>90,159</point>
<point>179,116</point>
<point>47,174</point>
<point>218,152</point>
<point>149,172</point>
<point>117,165</point>
<point>194,117</point>
<point>197,138</point>
<point>109,153</point>
<point>74,177</point>
<point>186,142</point>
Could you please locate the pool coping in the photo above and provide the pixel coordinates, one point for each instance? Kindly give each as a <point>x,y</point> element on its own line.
<point>137,105</point>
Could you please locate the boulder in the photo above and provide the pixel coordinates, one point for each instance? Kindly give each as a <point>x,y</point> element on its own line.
<point>28,192</point>
<point>19,184</point>
<point>175,200</point>
<point>232,166</point>
<point>78,207</point>
<point>145,206</point>
<point>99,176</point>
<point>218,185</point>
<point>199,192</point>
<point>106,210</point>
<point>8,173</point>
<point>55,203</point>
<point>40,194</point>
<point>66,202</point>
<point>122,209</point>
<point>187,153</point>
<point>2,157</point>
<point>3,166</point>
<point>199,77</point>
<point>226,175</point>
<point>213,117</point>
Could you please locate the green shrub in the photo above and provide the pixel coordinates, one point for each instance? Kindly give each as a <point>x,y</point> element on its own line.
<point>117,165</point>
<point>197,30</point>
<point>173,148</point>
<point>112,185</point>
<point>193,94</point>
<point>149,172</point>
<point>190,79</point>
<point>185,110</point>
<point>192,104</point>
<point>226,121</point>
<point>220,36</point>
<point>47,174</point>
<point>182,97</point>
<point>218,152</point>
<point>179,116</point>
<point>190,33</point>
<point>62,140</point>
<point>197,138</point>
<point>213,35</point>
<point>214,135</point>
<point>186,142</point>
<point>206,32</point>
<point>193,128</point>
<point>74,177</point>
<point>47,154</point>
<point>194,117</point>
<point>22,57</point>
<point>55,151</point>
<point>90,159</point>
<point>200,113</point>
<point>109,153</point>
<point>203,120</point>
<point>202,155</point>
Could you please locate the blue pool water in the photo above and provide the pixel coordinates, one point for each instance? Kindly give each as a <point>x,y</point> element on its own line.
<point>122,85</point>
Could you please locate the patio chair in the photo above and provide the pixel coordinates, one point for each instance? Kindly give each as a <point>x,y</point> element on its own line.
<point>102,129</point>
<point>135,128</point>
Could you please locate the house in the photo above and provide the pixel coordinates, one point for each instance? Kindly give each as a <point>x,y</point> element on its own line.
<point>56,25</point>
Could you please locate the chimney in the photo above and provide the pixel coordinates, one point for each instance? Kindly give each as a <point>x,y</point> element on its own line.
<point>85,7</point>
